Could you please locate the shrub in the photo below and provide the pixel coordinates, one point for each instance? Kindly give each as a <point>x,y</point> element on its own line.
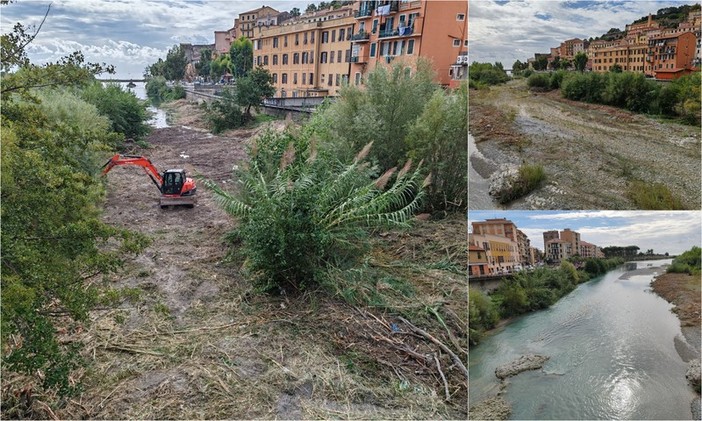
<point>126,112</point>
<point>556,79</point>
<point>311,214</point>
<point>487,73</point>
<point>539,80</point>
<point>653,196</point>
<point>688,262</point>
<point>528,72</point>
<point>158,91</point>
<point>223,114</point>
<point>528,179</point>
<point>482,314</point>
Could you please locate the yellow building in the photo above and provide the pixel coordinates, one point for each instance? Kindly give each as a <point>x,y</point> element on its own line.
<point>306,58</point>
<point>502,252</point>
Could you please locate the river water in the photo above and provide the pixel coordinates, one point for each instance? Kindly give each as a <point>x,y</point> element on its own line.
<point>611,343</point>
<point>158,116</point>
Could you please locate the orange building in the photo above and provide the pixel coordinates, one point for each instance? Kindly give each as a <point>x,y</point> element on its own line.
<point>389,30</point>
<point>249,21</point>
<point>671,55</point>
<point>307,57</point>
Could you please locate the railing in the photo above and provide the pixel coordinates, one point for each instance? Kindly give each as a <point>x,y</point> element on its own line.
<point>361,36</point>
<point>363,13</point>
<point>359,59</point>
<point>403,32</point>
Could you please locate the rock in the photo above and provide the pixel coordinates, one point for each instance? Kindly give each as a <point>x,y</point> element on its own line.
<point>502,181</point>
<point>495,408</point>
<point>696,410</point>
<point>693,374</point>
<point>523,363</point>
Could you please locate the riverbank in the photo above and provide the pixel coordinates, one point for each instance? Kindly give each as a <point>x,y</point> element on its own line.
<point>607,149</point>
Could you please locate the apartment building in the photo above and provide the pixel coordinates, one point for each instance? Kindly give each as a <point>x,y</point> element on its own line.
<point>671,55</point>
<point>573,238</point>
<point>224,40</point>
<point>558,250</point>
<point>307,57</point>
<point>257,18</point>
<point>548,236</point>
<point>524,246</point>
<point>588,250</point>
<point>477,261</point>
<point>403,31</point>
<point>502,253</point>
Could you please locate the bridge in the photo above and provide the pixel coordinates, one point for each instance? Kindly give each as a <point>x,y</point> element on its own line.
<point>122,80</point>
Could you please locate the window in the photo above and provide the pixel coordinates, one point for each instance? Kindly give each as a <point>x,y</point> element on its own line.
<point>412,18</point>
<point>461,17</point>
<point>456,42</point>
<point>375,26</point>
<point>265,60</point>
<point>325,37</point>
<point>372,50</point>
<point>322,81</point>
<point>297,39</point>
<point>395,49</point>
<point>304,78</point>
<point>338,56</point>
<point>331,57</point>
<point>296,58</point>
<point>311,56</point>
<point>465,43</point>
<point>410,46</point>
<point>311,78</point>
<point>285,41</point>
<point>294,78</point>
<point>323,57</point>
<point>349,31</point>
<point>275,77</point>
<point>258,60</point>
<point>348,55</point>
<point>312,37</point>
<point>285,59</point>
<point>342,33</point>
<point>275,59</point>
<point>345,79</point>
<point>330,81</point>
<point>284,78</point>
<point>305,57</point>
<point>304,38</point>
<point>275,42</point>
<point>338,79</point>
<point>333,35</point>
<point>357,81</point>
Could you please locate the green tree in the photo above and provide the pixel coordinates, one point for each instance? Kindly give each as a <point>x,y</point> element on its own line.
<point>126,113</point>
<point>295,12</point>
<point>253,88</point>
<point>580,61</point>
<point>220,66</point>
<point>173,68</point>
<point>487,73</point>
<point>203,67</point>
<point>311,8</point>
<point>616,68</point>
<point>541,63</point>
<point>241,53</point>
<point>555,63</point>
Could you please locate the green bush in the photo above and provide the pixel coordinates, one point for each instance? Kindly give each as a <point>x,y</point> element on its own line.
<point>224,114</point>
<point>556,79</point>
<point>310,216</point>
<point>126,112</point>
<point>482,314</point>
<point>688,262</point>
<point>528,72</point>
<point>158,91</point>
<point>487,73</point>
<point>539,80</point>
<point>528,179</point>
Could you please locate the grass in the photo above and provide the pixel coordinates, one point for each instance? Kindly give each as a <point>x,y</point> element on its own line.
<point>654,196</point>
<point>529,178</point>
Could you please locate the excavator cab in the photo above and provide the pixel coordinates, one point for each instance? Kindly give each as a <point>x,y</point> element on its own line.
<point>173,181</point>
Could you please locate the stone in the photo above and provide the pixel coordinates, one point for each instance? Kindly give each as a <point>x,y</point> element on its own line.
<point>523,363</point>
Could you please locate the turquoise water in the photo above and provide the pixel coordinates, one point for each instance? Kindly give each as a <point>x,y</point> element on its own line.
<point>612,355</point>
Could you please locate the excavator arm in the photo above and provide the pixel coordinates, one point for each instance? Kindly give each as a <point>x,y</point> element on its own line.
<point>138,161</point>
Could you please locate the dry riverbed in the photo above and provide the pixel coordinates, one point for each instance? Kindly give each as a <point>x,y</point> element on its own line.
<point>591,153</point>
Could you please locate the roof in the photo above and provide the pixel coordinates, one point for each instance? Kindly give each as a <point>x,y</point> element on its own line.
<point>475,248</point>
<point>258,10</point>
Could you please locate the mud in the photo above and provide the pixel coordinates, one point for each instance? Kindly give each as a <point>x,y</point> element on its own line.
<point>591,153</point>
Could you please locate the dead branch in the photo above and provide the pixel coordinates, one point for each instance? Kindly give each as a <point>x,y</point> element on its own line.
<point>438,367</point>
<point>440,344</point>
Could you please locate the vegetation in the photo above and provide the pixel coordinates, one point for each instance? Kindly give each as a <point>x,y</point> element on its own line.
<point>241,55</point>
<point>172,69</point>
<point>688,262</point>
<point>406,115</point>
<point>529,178</point>
<point>55,247</point>
<point>539,80</point>
<point>158,91</point>
<point>304,215</point>
<point>654,196</point>
<point>670,17</point>
<point>580,61</point>
<point>224,114</point>
<point>253,88</point>
<point>126,113</point>
<point>616,251</point>
<point>486,74</point>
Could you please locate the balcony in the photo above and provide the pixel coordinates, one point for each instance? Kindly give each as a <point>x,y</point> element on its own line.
<point>363,13</point>
<point>359,60</point>
<point>400,32</point>
<point>360,37</point>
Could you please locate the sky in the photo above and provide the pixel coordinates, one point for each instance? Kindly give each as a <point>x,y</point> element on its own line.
<point>129,34</point>
<point>663,231</point>
<point>506,31</point>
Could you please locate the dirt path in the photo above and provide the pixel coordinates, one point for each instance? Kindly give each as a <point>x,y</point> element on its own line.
<point>591,153</point>
<point>195,341</point>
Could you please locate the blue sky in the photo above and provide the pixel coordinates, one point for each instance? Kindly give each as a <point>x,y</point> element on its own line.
<point>129,34</point>
<point>506,31</point>
<point>662,231</point>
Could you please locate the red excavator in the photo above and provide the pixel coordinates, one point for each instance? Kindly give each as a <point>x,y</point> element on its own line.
<point>175,187</point>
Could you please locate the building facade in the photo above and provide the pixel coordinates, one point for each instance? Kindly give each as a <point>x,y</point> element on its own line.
<point>402,31</point>
<point>306,58</point>
<point>477,262</point>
